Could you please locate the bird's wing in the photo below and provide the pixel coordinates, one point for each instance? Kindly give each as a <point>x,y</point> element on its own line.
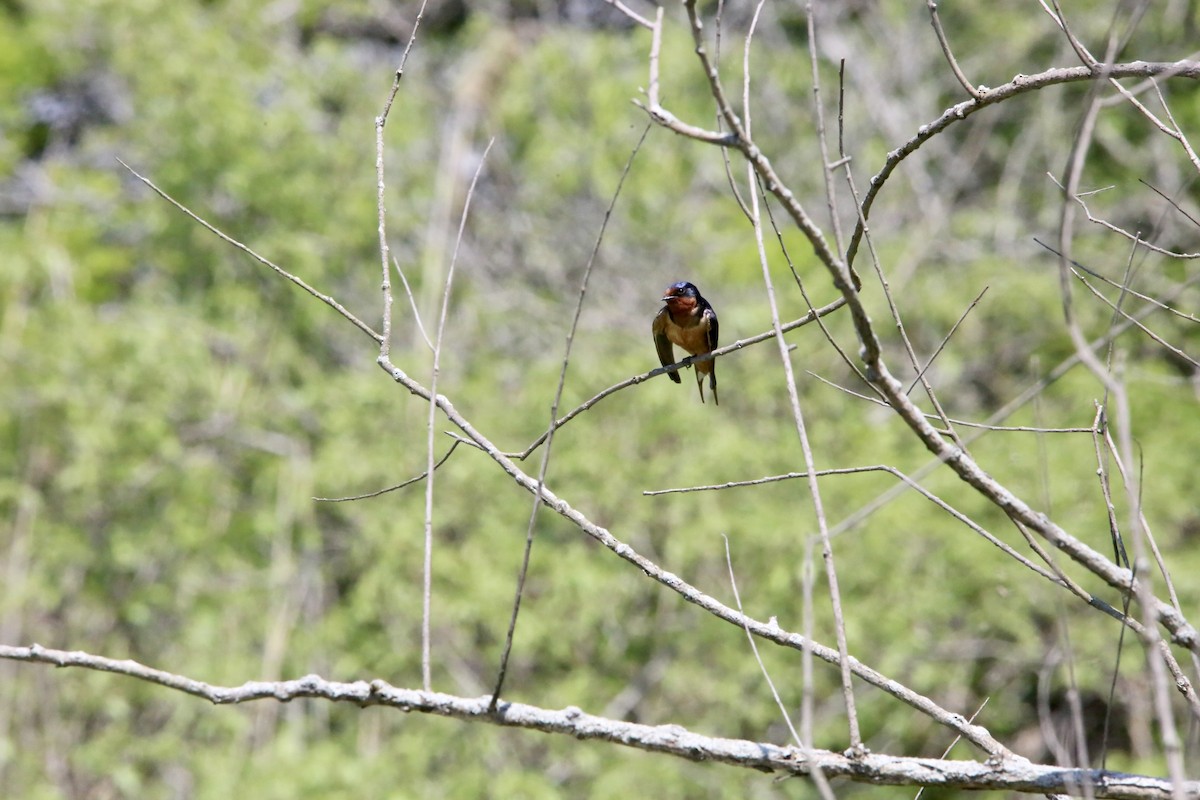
<point>666,353</point>
<point>710,317</point>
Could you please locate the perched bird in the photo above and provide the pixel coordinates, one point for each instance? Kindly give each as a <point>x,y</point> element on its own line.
<point>689,321</point>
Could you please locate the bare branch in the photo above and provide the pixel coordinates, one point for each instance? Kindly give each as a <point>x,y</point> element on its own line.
<point>908,481</point>
<point>856,743</point>
<point>956,458</point>
<point>1133,237</point>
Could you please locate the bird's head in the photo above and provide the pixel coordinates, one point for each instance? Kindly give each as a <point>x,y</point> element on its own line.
<point>681,296</point>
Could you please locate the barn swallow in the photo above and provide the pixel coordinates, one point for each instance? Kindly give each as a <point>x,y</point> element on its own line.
<point>689,321</point>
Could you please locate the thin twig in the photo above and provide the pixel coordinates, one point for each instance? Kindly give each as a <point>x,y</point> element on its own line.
<point>427,586</point>
<point>936,21</point>
<point>817,775</point>
<point>324,298</point>
<point>1159,561</point>
<point>909,350</point>
<point>1005,411</point>
<point>412,304</point>
<point>1056,575</point>
<point>956,740</point>
<point>1123,286</point>
<point>822,140</point>
<point>379,492</point>
<point>941,346</point>
<point>629,12</point>
<point>562,380</point>
<point>1175,131</point>
<point>1172,201</point>
<point>1121,557</point>
<point>737,601</point>
<point>850,363</point>
<point>905,479</point>
<point>1116,228</point>
<point>385,342</point>
<point>1125,314</point>
<point>856,743</point>
<point>1079,757</point>
<point>960,462</point>
<point>725,160</point>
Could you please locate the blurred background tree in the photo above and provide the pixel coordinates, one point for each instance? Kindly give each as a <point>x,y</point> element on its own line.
<point>170,408</point>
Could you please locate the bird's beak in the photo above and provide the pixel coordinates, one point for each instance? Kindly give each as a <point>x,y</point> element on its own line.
<point>667,297</point>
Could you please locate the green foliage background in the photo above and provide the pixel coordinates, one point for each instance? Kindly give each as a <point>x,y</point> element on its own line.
<point>170,408</point>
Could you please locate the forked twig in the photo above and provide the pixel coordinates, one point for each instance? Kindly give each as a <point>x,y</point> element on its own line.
<point>1140,326</point>
<point>1125,289</point>
<point>1079,198</point>
<point>1019,85</point>
<point>965,467</point>
<point>1056,575</point>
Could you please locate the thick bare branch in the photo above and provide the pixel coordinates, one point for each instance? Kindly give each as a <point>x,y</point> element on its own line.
<point>1011,774</point>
